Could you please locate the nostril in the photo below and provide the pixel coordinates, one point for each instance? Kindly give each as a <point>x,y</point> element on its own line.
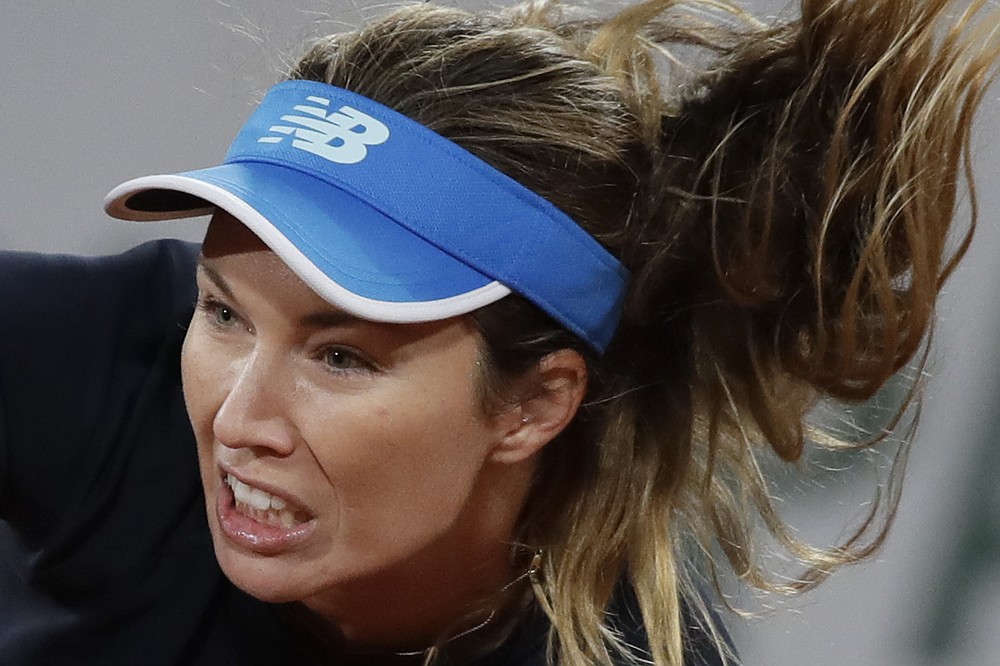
<point>269,432</point>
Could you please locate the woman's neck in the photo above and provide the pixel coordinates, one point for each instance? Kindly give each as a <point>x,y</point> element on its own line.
<point>483,627</point>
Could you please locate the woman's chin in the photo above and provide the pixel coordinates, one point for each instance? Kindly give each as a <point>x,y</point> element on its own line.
<point>267,581</point>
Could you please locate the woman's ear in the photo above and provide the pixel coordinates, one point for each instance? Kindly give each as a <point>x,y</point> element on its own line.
<point>546,402</point>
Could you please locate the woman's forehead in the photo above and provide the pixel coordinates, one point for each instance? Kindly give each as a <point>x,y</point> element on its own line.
<point>227,235</point>
<point>242,266</point>
<point>246,270</point>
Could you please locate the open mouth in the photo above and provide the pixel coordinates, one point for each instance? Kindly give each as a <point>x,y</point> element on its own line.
<point>260,521</point>
<point>264,507</point>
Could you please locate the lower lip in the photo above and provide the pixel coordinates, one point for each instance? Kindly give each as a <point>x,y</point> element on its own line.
<point>252,535</point>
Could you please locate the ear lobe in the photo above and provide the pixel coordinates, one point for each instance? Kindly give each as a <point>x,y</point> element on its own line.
<point>550,399</point>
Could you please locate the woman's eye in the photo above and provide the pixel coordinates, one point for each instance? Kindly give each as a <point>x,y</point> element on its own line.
<point>218,313</point>
<point>224,316</point>
<point>337,358</point>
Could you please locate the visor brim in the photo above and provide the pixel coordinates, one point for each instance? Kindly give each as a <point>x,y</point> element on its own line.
<point>351,254</point>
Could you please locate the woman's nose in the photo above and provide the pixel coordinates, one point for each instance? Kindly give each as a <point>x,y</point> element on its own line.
<point>253,413</point>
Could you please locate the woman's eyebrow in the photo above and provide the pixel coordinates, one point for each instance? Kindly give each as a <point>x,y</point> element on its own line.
<point>329,319</point>
<point>216,278</point>
<point>332,318</point>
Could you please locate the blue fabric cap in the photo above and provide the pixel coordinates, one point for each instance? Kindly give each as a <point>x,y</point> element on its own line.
<point>388,220</point>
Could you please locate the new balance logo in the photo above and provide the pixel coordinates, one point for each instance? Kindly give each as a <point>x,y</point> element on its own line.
<point>342,136</point>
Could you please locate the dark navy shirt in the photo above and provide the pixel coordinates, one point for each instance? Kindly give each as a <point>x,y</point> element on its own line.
<point>105,553</point>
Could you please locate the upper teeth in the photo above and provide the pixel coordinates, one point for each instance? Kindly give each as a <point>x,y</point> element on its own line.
<point>255,497</point>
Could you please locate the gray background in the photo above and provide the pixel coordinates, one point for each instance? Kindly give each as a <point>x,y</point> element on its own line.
<point>96,92</point>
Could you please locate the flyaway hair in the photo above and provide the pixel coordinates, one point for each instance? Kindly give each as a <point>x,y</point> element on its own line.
<point>783,195</point>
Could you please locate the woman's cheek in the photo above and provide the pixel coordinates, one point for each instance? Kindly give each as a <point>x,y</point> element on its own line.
<point>201,378</point>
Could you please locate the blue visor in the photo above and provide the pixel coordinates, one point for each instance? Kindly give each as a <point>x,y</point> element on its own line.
<point>388,220</point>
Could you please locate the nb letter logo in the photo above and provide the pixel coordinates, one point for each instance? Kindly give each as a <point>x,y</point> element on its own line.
<point>341,136</point>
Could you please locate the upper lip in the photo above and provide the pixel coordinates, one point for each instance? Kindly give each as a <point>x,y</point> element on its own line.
<point>295,503</point>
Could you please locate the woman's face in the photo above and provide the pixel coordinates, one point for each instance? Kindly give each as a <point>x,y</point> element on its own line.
<point>336,451</point>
